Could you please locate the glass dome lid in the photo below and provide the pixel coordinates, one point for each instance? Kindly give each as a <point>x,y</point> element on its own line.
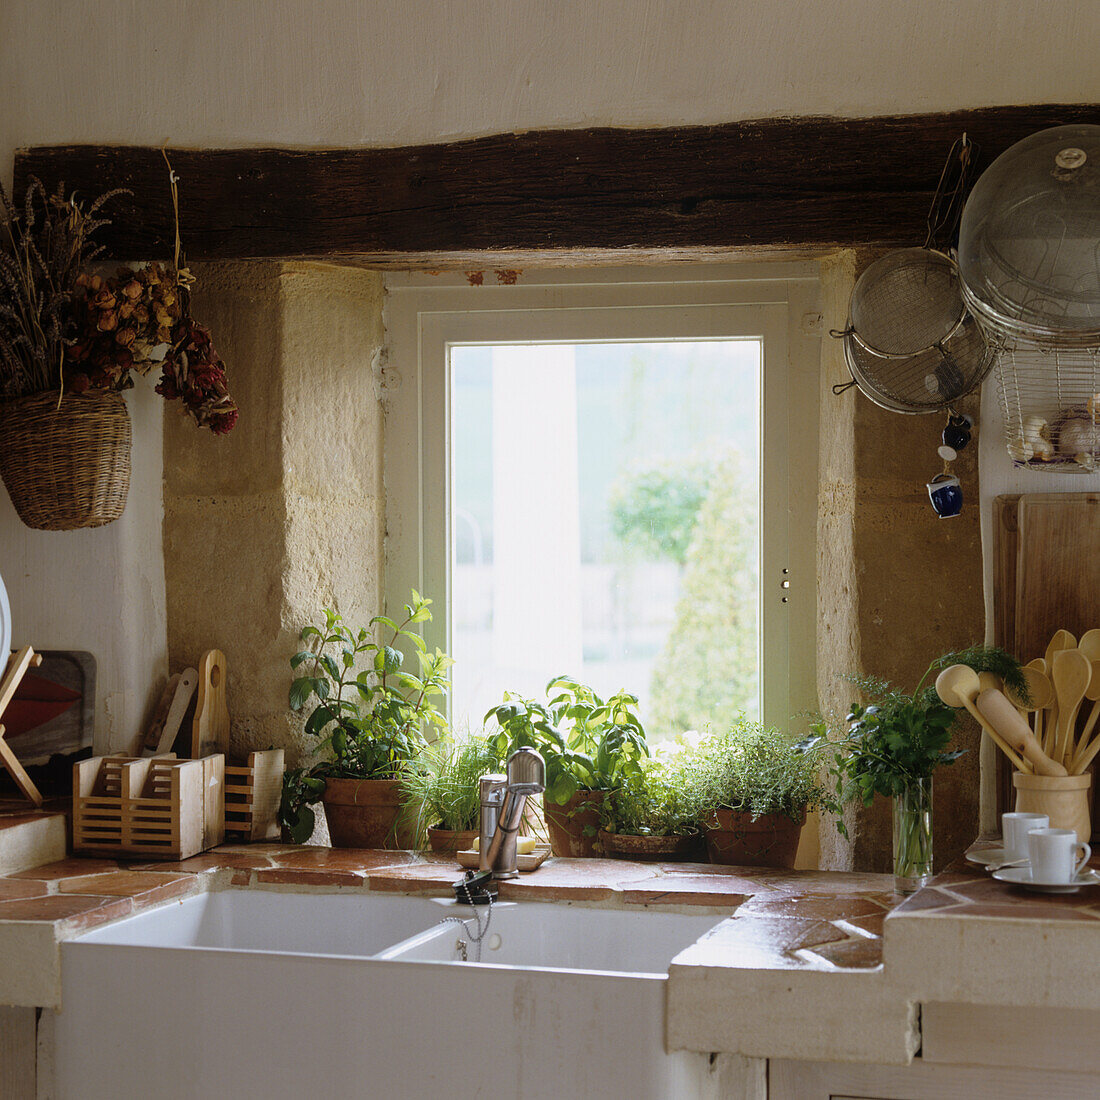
<point>1029,242</point>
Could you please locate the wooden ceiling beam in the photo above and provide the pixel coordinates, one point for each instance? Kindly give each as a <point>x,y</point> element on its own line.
<point>679,192</point>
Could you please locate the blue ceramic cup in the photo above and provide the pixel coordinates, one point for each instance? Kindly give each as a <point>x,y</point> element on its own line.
<point>945,495</point>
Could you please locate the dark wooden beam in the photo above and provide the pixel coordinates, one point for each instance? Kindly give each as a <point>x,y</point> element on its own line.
<point>776,183</point>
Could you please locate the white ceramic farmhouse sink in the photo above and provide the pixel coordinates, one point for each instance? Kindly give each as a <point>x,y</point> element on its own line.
<point>265,994</point>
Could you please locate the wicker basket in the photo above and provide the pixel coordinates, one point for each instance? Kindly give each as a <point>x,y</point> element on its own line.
<point>66,467</point>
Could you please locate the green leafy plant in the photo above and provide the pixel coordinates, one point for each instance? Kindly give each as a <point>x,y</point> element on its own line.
<point>900,737</point>
<point>371,722</point>
<point>446,785</point>
<point>753,769</point>
<point>587,743</point>
<point>656,800</point>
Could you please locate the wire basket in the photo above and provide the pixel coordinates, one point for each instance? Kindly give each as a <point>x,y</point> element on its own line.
<point>1051,402</point>
<point>1029,258</point>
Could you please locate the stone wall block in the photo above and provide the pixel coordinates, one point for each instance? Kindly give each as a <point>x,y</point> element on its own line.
<point>287,517</point>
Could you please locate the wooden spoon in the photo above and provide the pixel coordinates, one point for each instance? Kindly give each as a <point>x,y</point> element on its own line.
<point>1089,644</point>
<point>1005,719</point>
<point>1084,756</point>
<point>1062,639</point>
<point>1040,665</point>
<point>1041,692</point>
<point>1071,678</point>
<point>990,681</point>
<point>1092,693</point>
<point>959,686</point>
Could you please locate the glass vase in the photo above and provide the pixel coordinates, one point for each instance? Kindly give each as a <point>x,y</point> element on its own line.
<point>913,836</point>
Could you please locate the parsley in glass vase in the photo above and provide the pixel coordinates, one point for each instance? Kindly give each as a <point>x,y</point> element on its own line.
<point>893,743</point>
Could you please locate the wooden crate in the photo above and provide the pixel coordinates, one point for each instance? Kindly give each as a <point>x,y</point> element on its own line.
<point>148,806</point>
<point>252,794</point>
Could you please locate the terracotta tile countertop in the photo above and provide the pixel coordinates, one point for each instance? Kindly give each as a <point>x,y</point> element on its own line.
<point>969,938</point>
<point>780,920</point>
<point>784,918</point>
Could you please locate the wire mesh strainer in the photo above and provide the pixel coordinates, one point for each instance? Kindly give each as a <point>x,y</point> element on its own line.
<point>926,382</point>
<point>910,343</point>
<point>906,303</point>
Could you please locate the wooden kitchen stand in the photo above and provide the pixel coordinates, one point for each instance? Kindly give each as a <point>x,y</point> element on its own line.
<point>18,663</point>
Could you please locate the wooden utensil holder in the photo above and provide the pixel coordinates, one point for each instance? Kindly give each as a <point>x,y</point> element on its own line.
<point>154,806</point>
<point>1066,800</point>
<point>252,794</point>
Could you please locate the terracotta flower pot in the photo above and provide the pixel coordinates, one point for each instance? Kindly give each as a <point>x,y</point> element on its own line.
<point>652,849</point>
<point>567,824</point>
<point>448,840</point>
<point>769,841</point>
<point>367,813</point>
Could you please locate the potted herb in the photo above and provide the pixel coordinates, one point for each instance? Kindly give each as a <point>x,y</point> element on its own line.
<point>444,790</point>
<point>892,745</point>
<point>750,789</point>
<point>371,724</point>
<point>590,745</point>
<point>650,816</point>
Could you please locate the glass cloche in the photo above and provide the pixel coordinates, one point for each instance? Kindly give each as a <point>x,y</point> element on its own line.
<point>1029,242</point>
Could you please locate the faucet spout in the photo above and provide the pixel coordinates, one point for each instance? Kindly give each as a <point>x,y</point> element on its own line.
<point>503,800</point>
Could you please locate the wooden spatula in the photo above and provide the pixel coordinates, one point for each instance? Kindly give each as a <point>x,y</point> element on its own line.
<point>168,717</point>
<point>210,730</point>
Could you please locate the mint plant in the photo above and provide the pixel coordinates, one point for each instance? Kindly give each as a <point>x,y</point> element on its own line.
<point>371,722</point>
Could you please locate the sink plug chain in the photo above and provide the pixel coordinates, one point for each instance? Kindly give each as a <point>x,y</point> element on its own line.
<point>463,890</point>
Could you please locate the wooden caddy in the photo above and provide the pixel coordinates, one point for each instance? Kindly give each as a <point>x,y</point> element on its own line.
<point>18,663</point>
<point>153,806</point>
<point>252,794</point>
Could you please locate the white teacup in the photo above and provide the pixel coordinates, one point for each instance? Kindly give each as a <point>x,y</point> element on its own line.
<point>1054,855</point>
<point>1014,830</point>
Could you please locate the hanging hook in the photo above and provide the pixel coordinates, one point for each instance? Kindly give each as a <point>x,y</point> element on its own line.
<point>951,190</point>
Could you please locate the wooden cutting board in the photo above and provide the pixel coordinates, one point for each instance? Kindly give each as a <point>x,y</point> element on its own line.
<point>210,731</point>
<point>1057,580</point>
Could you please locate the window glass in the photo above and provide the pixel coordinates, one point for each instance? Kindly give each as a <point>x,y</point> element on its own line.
<point>605,519</point>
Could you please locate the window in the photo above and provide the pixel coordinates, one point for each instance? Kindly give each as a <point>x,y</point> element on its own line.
<point>610,474</point>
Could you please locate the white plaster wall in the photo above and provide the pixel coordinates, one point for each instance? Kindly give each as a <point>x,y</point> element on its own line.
<point>351,72</point>
<point>101,589</point>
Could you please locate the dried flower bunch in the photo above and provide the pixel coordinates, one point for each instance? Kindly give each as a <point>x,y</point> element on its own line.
<point>137,320</point>
<point>63,326</point>
<point>43,248</point>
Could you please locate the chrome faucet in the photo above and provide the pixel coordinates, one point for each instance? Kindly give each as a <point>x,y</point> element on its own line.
<point>503,798</point>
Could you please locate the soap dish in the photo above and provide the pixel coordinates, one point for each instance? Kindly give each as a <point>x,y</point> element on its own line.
<point>470,859</point>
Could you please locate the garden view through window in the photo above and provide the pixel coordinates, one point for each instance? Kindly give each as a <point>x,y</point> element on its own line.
<point>605,515</point>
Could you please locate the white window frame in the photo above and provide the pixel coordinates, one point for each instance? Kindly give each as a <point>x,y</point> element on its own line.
<point>778,302</point>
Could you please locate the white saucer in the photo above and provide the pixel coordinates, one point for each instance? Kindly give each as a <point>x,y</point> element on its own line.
<point>986,856</point>
<point>1021,876</point>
